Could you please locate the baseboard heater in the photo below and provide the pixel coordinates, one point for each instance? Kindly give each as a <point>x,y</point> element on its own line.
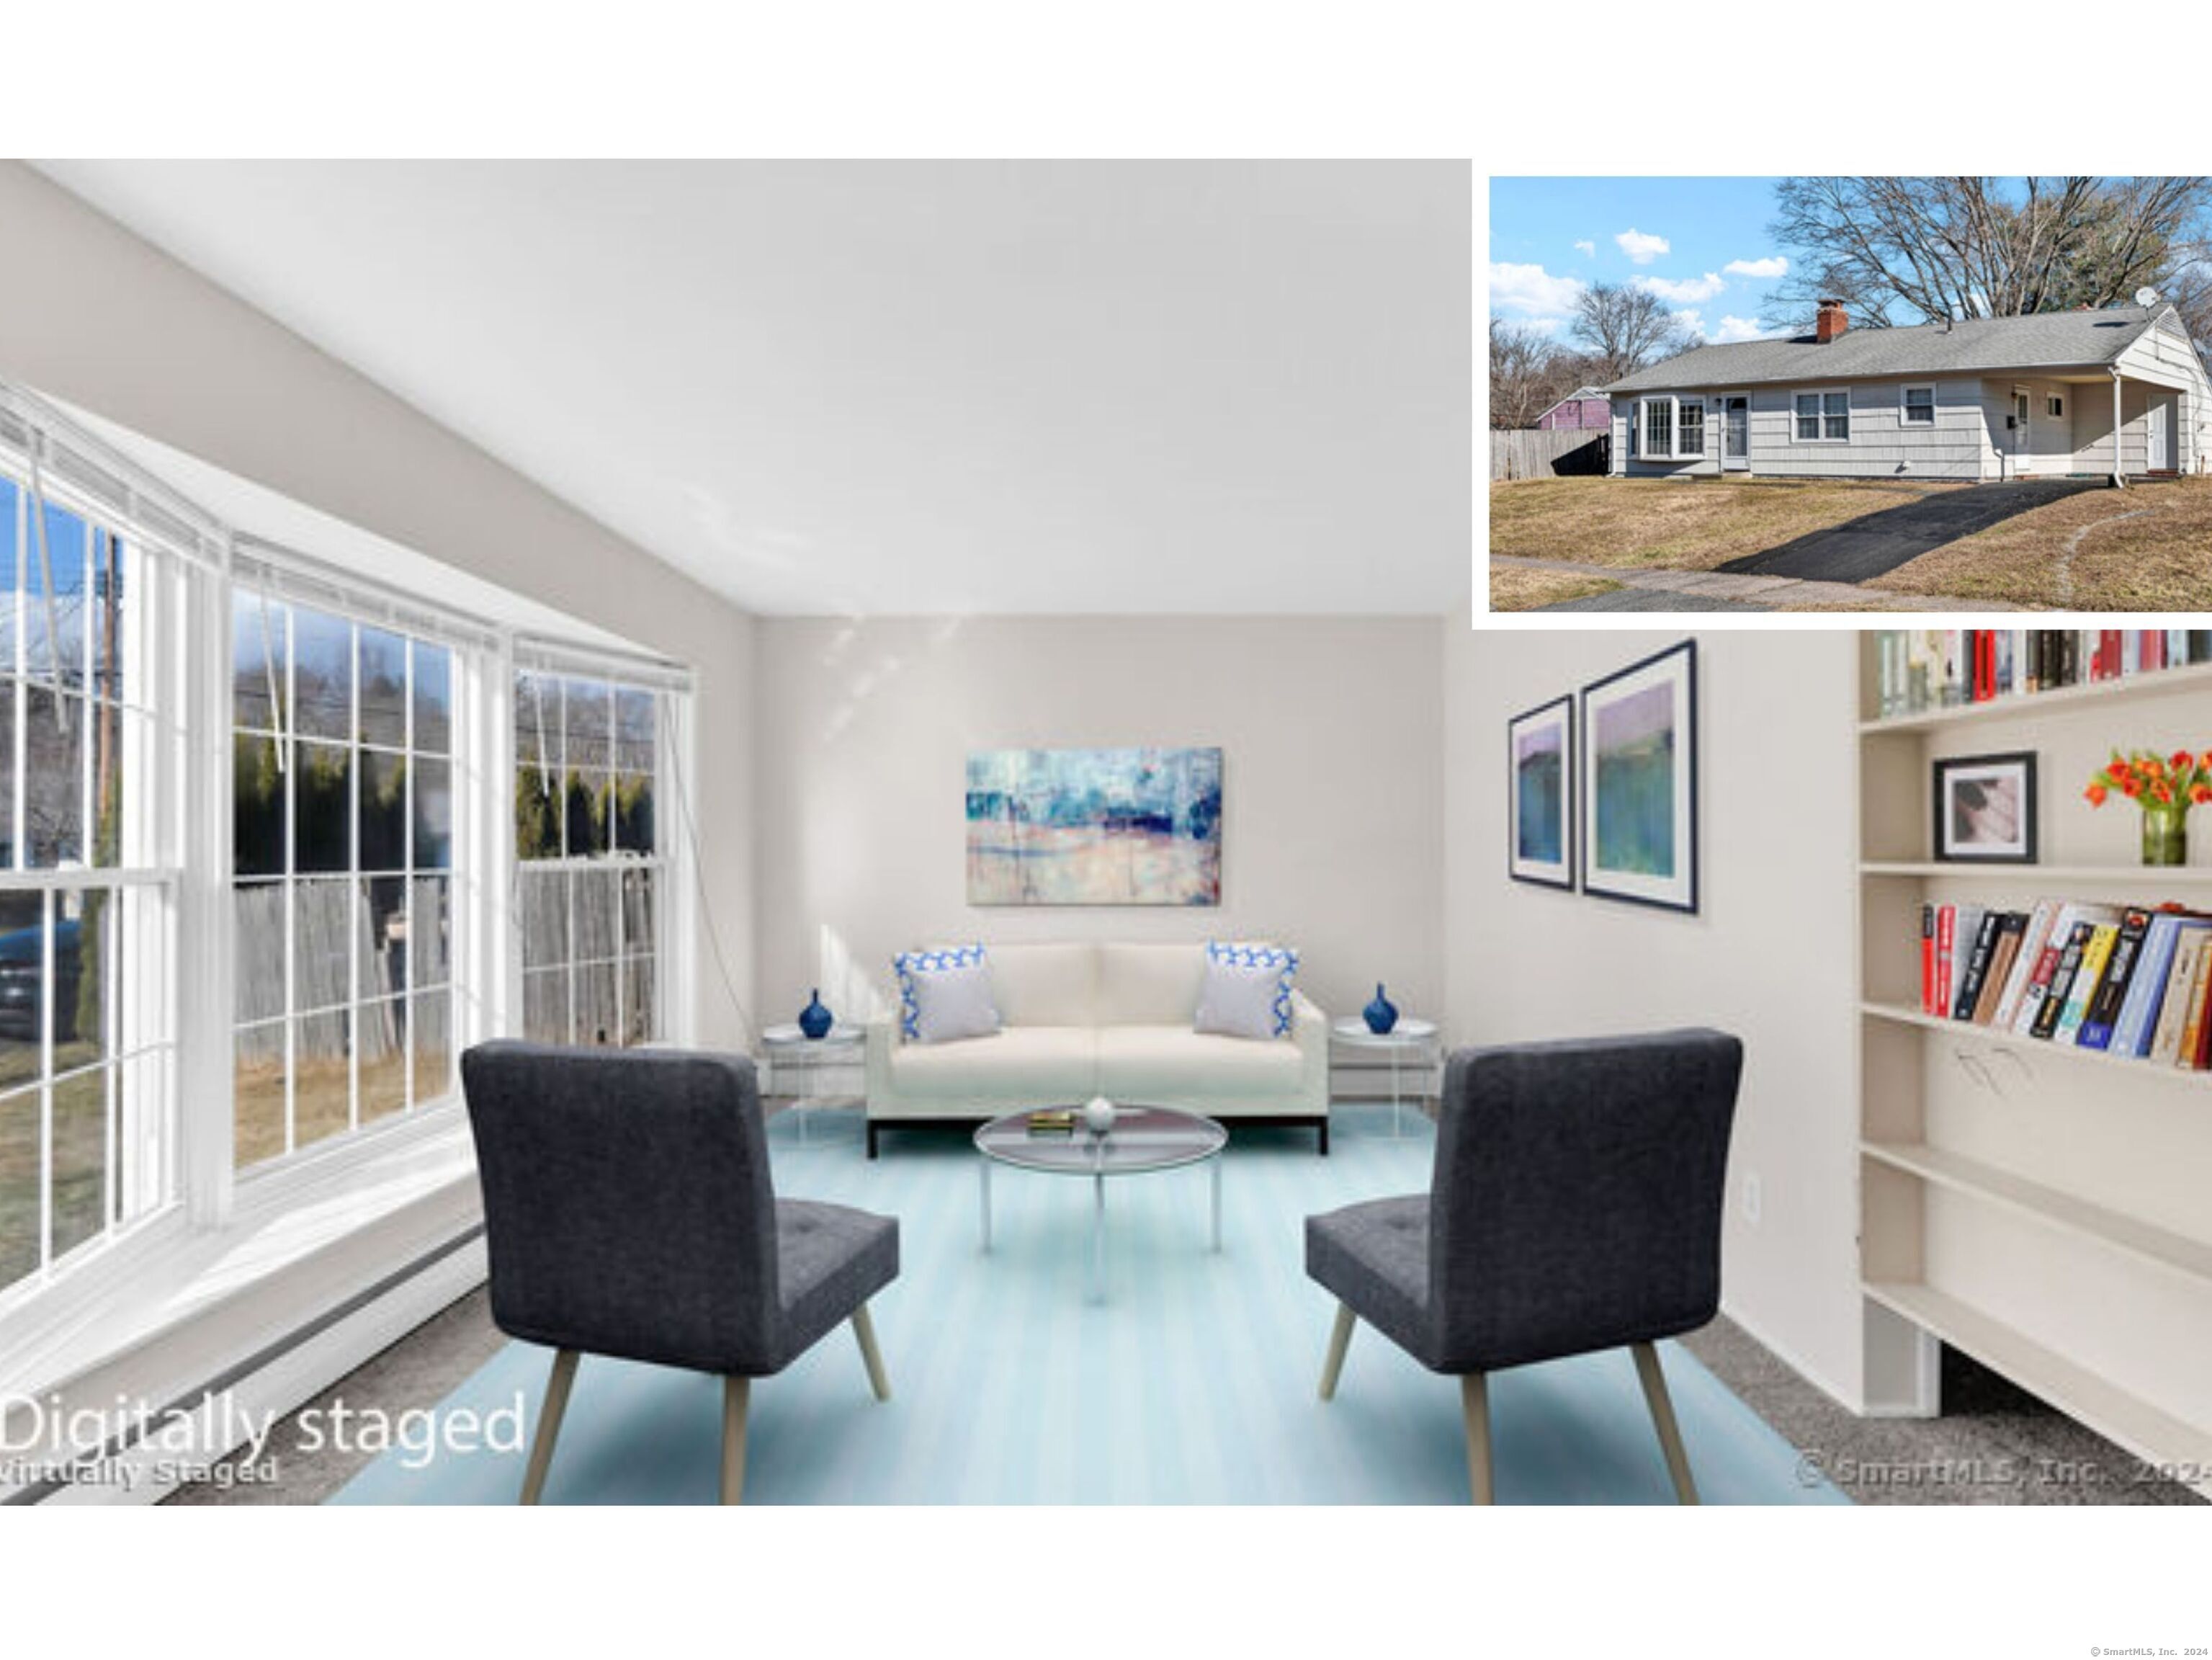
<point>421,1274</point>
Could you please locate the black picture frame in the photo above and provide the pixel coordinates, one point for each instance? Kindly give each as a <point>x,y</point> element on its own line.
<point>1948,773</point>
<point>1542,873</point>
<point>1676,664</point>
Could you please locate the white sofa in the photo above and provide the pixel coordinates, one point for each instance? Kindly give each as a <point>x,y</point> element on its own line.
<point>1085,1019</point>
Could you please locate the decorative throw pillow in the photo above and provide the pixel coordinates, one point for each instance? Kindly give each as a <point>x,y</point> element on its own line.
<point>945,994</point>
<point>1247,990</point>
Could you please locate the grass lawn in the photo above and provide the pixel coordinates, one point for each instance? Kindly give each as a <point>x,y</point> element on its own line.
<point>2080,552</point>
<point>1526,590</point>
<point>1656,522</point>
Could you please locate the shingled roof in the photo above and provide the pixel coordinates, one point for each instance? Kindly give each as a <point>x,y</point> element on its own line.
<point>2056,340</point>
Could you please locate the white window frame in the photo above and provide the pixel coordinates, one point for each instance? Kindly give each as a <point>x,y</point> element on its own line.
<point>280,609</point>
<point>1905,406</point>
<point>2054,406</point>
<point>140,1152</point>
<point>666,863</point>
<point>1673,405</point>
<point>1823,393</point>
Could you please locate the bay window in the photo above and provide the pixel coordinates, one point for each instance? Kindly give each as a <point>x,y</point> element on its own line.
<point>590,875</point>
<point>1671,428</point>
<point>176,698</point>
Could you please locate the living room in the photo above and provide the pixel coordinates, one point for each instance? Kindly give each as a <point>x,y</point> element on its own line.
<point>678,764</point>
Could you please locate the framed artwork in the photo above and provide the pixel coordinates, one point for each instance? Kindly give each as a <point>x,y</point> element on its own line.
<point>1539,746</point>
<point>1985,809</point>
<point>1094,827</point>
<point>1639,782</point>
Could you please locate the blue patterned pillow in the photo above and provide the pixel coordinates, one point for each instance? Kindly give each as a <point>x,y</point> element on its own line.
<point>945,994</point>
<point>1247,990</point>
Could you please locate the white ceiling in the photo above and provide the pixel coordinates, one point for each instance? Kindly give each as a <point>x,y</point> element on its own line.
<point>899,387</point>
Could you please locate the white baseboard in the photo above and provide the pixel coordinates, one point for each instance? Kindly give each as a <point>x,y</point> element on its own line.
<point>291,1377</point>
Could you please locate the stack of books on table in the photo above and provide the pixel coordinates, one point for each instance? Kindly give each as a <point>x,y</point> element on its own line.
<point>1058,1122</point>
<point>2131,981</point>
<point>1923,669</point>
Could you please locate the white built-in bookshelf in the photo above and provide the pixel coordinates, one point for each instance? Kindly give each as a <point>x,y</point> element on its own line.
<point>2046,1209</point>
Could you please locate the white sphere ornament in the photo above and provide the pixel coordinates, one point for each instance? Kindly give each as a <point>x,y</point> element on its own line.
<point>1099,1115</point>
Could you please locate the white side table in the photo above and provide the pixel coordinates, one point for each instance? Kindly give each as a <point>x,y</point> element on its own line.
<point>814,1073</point>
<point>1411,1047</point>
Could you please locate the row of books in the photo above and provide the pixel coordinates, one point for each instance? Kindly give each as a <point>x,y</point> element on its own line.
<point>1923,669</point>
<point>2132,981</point>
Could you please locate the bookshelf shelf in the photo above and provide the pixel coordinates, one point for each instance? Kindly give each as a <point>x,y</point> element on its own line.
<point>2148,1431</point>
<point>2020,1208</point>
<point>1905,1014</point>
<point>2160,682</point>
<point>2049,1206</point>
<point>2146,879</point>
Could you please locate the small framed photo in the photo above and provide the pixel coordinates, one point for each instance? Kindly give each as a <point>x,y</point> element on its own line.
<point>1985,809</point>
<point>1639,782</point>
<point>1541,754</point>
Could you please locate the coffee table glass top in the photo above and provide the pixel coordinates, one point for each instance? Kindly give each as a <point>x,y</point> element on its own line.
<point>1142,1139</point>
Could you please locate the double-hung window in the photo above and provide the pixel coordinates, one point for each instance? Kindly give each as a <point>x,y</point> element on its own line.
<point>590,874</point>
<point>1823,417</point>
<point>88,875</point>
<point>342,889</point>
<point>1920,406</point>
<point>1658,428</point>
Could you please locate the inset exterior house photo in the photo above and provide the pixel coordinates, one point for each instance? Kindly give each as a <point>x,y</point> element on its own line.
<point>1852,393</point>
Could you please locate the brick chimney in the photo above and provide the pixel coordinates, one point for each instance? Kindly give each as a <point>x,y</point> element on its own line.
<point>1833,321</point>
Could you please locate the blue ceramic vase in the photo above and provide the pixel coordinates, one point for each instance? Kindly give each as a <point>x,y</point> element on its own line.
<point>814,1021</point>
<point>1382,1014</point>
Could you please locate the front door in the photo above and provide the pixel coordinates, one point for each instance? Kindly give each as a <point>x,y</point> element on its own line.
<point>2021,449</point>
<point>2158,434</point>
<point>1735,434</point>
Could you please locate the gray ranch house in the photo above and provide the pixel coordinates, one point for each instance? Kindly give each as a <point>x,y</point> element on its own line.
<point>2035,397</point>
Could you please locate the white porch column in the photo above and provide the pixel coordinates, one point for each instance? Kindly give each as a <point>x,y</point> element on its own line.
<point>2118,483</point>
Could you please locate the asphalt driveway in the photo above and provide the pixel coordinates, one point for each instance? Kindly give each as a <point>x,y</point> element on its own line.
<point>1879,542</point>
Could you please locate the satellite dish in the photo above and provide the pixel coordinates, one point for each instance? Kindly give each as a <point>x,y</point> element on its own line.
<point>2146,296</point>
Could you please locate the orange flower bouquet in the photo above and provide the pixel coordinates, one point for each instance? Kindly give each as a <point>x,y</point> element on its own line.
<point>2165,787</point>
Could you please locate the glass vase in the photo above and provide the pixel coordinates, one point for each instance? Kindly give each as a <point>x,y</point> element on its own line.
<point>2166,834</point>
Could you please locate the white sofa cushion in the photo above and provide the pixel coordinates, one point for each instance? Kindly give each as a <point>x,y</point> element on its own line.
<point>1046,984</point>
<point>1171,1064</point>
<point>944,995</point>
<point>1022,1065</point>
<point>1149,985</point>
<point>1246,991</point>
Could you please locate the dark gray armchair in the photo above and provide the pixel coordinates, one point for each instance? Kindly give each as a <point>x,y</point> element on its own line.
<point>629,1211</point>
<point>1576,1206</point>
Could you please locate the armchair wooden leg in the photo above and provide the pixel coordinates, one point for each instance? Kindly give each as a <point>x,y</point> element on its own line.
<point>1474,1407</point>
<point>549,1424</point>
<point>1339,1340</point>
<point>737,1396</point>
<point>1663,1418</point>
<point>865,1329</point>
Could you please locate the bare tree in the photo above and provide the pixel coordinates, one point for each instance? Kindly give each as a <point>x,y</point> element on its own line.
<point>1523,377</point>
<point>1625,329</point>
<point>1901,251</point>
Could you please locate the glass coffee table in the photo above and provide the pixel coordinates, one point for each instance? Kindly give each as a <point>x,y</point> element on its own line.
<point>1143,1140</point>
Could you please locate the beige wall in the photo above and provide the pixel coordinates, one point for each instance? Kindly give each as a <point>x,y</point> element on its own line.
<point>92,315</point>
<point>1332,808</point>
<point>1770,957</point>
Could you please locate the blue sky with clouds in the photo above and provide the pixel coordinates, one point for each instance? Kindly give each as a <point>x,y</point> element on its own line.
<point>1700,244</point>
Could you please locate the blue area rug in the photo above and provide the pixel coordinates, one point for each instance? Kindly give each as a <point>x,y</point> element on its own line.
<point>1192,1382</point>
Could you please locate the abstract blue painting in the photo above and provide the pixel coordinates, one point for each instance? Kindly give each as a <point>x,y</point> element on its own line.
<point>1640,781</point>
<point>1094,827</point>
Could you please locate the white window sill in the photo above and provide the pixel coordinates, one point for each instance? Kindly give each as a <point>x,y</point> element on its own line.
<point>168,1306</point>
